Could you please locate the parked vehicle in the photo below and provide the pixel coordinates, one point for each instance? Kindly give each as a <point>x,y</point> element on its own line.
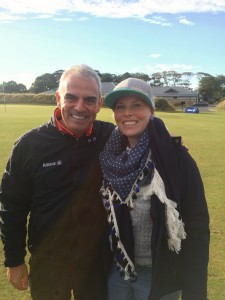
<point>192,109</point>
<point>201,103</point>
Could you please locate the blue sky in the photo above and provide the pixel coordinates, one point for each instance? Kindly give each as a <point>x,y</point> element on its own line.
<point>146,36</point>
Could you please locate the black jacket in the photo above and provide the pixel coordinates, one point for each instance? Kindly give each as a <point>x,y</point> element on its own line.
<point>55,178</point>
<point>186,271</point>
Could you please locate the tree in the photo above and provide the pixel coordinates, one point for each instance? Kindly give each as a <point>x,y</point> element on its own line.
<point>122,77</point>
<point>201,75</point>
<point>45,82</point>
<point>21,88</point>
<point>142,76</point>
<point>171,78</point>
<point>56,78</point>
<point>12,87</point>
<point>107,77</point>
<point>157,79</point>
<point>210,87</point>
<point>221,79</point>
<point>186,79</point>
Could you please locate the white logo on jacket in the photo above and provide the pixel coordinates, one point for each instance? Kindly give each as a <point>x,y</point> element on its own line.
<point>51,164</point>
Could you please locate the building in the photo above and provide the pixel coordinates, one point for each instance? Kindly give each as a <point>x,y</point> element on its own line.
<point>176,94</point>
<point>107,87</point>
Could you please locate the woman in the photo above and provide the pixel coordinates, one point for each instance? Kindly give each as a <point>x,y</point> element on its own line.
<point>158,223</point>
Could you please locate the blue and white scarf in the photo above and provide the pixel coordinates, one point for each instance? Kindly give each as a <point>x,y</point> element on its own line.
<point>121,167</point>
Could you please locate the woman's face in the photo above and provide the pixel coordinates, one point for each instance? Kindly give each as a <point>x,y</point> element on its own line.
<point>132,116</point>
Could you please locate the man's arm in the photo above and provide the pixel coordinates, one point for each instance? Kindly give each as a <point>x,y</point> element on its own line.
<point>14,209</point>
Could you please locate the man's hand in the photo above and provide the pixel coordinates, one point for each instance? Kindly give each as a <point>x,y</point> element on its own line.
<point>18,277</point>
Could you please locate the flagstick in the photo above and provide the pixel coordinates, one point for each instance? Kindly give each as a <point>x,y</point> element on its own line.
<point>4,102</point>
<point>3,95</point>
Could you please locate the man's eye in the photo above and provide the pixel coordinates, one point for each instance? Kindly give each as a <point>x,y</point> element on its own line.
<point>69,97</point>
<point>90,100</point>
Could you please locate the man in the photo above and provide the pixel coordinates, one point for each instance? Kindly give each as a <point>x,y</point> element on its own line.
<point>53,177</point>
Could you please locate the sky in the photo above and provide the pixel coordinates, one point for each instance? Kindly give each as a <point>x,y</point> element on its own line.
<point>111,36</point>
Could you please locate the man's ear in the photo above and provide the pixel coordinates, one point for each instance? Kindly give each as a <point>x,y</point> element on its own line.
<point>57,96</point>
<point>100,103</point>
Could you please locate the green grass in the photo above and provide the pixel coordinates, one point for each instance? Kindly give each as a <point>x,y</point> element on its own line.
<point>203,134</point>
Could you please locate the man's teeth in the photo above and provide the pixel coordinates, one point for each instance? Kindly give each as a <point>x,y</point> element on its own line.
<point>78,117</point>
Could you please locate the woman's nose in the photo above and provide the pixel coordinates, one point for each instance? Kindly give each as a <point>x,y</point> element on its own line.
<point>128,112</point>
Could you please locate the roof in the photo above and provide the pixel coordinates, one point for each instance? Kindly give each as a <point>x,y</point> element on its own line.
<point>176,91</point>
<point>50,92</point>
<point>158,91</point>
<point>107,87</point>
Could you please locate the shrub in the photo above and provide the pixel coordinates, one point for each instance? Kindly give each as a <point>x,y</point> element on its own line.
<point>221,105</point>
<point>162,105</point>
<point>42,99</point>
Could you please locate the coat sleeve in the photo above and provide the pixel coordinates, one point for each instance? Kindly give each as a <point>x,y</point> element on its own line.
<point>14,208</point>
<point>195,253</point>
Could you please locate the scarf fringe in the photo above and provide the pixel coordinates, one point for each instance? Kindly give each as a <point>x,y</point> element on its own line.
<point>175,226</point>
<point>129,270</point>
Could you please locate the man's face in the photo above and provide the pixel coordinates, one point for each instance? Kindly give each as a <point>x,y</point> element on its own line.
<point>79,102</point>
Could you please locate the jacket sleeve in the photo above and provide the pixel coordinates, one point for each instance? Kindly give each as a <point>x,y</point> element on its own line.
<point>195,253</point>
<point>14,208</point>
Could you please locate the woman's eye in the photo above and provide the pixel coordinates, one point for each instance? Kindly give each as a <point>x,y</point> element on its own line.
<point>119,107</point>
<point>137,104</point>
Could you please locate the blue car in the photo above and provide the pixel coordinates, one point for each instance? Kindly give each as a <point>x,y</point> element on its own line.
<point>192,109</point>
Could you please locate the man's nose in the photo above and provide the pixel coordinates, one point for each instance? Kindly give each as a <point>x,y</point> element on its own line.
<point>80,105</point>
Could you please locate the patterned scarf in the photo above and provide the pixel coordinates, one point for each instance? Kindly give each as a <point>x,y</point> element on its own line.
<point>122,167</point>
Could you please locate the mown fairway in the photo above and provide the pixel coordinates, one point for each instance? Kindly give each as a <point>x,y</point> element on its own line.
<point>202,133</point>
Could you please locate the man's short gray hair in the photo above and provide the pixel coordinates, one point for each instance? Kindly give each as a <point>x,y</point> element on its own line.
<point>82,71</point>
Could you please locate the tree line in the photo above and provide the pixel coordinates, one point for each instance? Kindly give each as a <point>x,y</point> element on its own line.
<point>209,87</point>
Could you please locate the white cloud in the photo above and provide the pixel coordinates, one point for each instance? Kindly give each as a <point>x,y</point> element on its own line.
<point>43,16</point>
<point>155,55</point>
<point>62,19</point>
<point>173,67</point>
<point>185,21</point>
<point>156,21</point>
<point>83,19</point>
<point>140,9</point>
<point>8,18</point>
